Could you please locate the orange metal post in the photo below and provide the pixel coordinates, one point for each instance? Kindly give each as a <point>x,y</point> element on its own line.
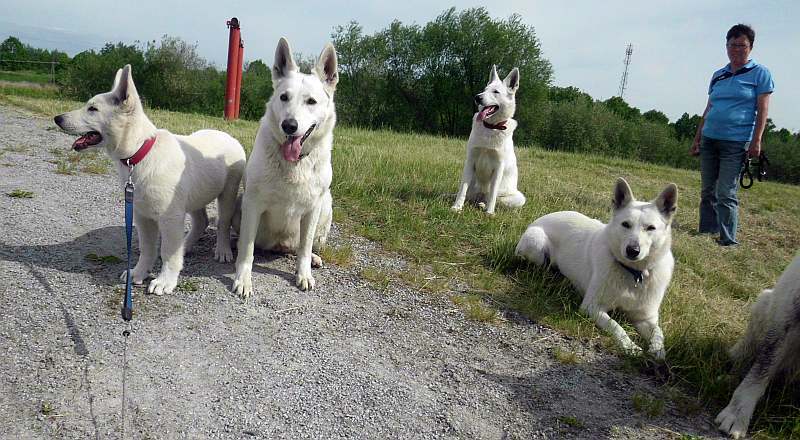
<point>233,62</point>
<point>239,74</point>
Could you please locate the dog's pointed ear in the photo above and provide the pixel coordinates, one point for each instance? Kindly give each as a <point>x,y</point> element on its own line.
<point>622,194</point>
<point>116,79</point>
<point>493,74</point>
<point>667,201</point>
<point>124,88</point>
<point>327,68</point>
<point>512,81</point>
<point>284,62</point>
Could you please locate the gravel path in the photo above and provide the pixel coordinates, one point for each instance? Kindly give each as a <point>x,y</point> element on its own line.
<point>345,360</point>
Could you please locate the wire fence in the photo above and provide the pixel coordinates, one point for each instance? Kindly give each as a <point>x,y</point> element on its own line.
<point>51,63</point>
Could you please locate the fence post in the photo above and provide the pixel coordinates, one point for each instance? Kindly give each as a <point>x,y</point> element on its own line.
<point>234,42</point>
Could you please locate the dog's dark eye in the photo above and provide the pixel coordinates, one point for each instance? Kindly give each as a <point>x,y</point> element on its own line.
<point>651,228</point>
<point>626,225</point>
<point>285,97</point>
<point>311,101</point>
<point>92,108</point>
<point>496,91</point>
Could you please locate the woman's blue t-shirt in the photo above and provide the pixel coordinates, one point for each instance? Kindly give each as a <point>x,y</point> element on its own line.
<point>734,97</point>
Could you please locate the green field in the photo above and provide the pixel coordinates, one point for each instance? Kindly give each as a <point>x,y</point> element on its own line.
<point>397,189</point>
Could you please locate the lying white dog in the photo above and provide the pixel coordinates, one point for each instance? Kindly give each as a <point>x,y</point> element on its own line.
<point>771,343</point>
<point>626,264</point>
<point>287,205</point>
<point>490,169</point>
<point>173,175</point>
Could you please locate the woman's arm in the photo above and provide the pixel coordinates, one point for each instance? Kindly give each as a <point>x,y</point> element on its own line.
<point>761,122</point>
<point>695,149</point>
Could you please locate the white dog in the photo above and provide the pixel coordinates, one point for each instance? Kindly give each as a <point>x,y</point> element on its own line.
<point>287,205</point>
<point>771,343</point>
<point>173,175</point>
<point>490,169</point>
<point>626,264</point>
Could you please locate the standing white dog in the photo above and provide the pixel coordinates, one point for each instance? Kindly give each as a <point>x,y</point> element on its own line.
<point>490,169</point>
<point>626,264</point>
<point>173,175</point>
<point>771,343</point>
<point>287,205</point>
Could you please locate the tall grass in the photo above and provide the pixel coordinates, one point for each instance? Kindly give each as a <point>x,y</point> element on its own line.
<point>397,189</point>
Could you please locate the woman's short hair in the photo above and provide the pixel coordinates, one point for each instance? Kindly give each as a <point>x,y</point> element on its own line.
<point>741,29</point>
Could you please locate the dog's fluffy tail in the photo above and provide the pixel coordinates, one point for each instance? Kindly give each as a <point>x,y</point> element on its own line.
<point>534,246</point>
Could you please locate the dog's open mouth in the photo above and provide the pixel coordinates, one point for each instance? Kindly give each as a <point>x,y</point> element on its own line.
<point>293,146</point>
<point>89,139</point>
<point>486,112</point>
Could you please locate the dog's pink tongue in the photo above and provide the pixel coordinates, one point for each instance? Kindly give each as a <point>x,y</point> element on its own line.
<point>291,149</point>
<point>484,113</point>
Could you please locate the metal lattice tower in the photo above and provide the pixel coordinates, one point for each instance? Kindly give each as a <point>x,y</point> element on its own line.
<point>624,81</point>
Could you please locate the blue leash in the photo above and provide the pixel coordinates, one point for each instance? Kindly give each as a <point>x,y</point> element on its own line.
<point>127,305</point>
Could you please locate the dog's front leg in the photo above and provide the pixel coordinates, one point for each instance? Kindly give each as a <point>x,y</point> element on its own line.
<point>650,331</point>
<point>494,188</point>
<point>735,418</point>
<point>308,227</point>
<point>171,254</point>
<point>466,177</point>
<point>605,322</point>
<point>251,214</point>
<point>147,231</point>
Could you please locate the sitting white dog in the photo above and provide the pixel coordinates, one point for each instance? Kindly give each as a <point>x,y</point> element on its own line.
<point>771,343</point>
<point>626,264</point>
<point>173,175</point>
<point>490,169</point>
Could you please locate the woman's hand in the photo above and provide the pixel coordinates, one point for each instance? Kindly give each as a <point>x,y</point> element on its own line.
<point>695,149</point>
<point>755,148</point>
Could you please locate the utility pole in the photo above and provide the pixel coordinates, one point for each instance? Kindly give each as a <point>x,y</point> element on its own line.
<point>624,81</point>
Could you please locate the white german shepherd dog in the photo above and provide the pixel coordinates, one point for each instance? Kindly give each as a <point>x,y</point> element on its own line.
<point>287,205</point>
<point>176,176</point>
<point>771,344</point>
<point>490,169</point>
<point>626,264</point>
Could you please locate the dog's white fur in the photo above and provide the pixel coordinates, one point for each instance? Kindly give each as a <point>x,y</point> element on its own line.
<point>180,175</point>
<point>490,168</point>
<point>287,205</point>
<point>771,344</point>
<point>590,253</point>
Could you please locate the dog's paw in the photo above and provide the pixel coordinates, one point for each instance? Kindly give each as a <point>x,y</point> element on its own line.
<point>243,285</point>
<point>223,254</point>
<point>490,213</point>
<point>732,423</point>
<point>316,261</point>
<point>304,281</point>
<point>632,349</point>
<point>456,208</point>
<point>138,280</point>
<point>482,206</point>
<point>164,283</point>
<point>658,353</point>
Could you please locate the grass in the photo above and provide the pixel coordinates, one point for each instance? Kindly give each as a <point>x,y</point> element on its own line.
<point>397,188</point>
<point>648,405</point>
<point>25,76</point>
<point>20,194</point>
<point>566,357</point>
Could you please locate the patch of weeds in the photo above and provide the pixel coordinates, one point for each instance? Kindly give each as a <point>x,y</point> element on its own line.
<point>475,309</point>
<point>685,404</point>
<point>648,405</point>
<point>105,259</point>
<point>66,168</point>
<point>571,421</point>
<point>20,194</point>
<point>424,279</point>
<point>58,152</point>
<point>341,256</point>
<point>17,149</point>
<point>46,408</point>
<point>376,277</point>
<point>690,437</point>
<point>566,357</point>
<point>95,167</point>
<point>188,285</point>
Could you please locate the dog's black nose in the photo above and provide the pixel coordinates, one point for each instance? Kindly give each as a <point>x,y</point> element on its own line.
<point>632,251</point>
<point>478,99</point>
<point>58,120</point>
<point>289,126</point>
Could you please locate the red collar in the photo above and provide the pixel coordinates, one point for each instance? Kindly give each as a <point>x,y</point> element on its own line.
<point>140,153</point>
<point>499,126</point>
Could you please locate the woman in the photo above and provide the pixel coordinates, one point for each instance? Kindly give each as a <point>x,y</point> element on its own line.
<point>732,125</point>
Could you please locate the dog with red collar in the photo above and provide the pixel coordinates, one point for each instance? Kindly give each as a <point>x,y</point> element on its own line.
<point>172,175</point>
<point>490,169</point>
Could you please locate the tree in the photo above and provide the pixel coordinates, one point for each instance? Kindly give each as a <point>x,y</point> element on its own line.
<point>621,108</point>
<point>655,116</point>
<point>686,126</point>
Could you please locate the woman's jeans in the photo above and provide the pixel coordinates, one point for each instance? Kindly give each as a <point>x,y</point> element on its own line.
<point>721,162</point>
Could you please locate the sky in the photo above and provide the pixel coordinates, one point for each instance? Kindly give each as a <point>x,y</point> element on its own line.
<point>677,45</point>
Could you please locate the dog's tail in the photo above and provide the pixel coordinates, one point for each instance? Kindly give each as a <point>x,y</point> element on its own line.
<point>534,246</point>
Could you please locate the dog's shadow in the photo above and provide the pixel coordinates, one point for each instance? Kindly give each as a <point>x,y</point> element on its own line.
<point>101,254</point>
